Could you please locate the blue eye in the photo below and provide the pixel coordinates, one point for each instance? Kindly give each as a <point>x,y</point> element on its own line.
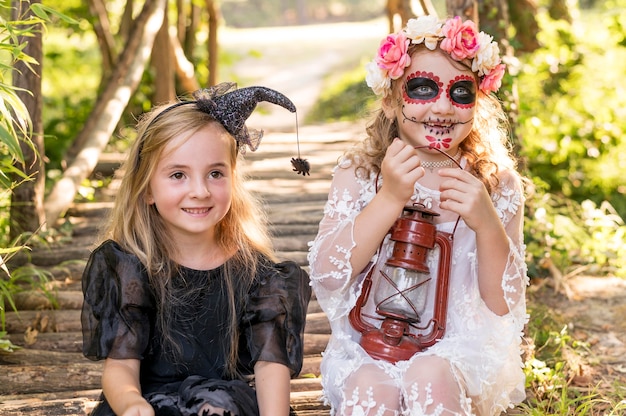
<point>463,92</point>
<point>423,89</point>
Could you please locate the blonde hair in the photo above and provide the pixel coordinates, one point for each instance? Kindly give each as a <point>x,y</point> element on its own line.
<point>486,147</point>
<point>139,229</point>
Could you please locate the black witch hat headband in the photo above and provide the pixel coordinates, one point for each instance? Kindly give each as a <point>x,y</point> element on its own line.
<point>231,107</point>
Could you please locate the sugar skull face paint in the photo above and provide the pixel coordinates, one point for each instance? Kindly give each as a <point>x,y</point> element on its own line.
<point>462,91</point>
<point>436,103</point>
<point>422,87</point>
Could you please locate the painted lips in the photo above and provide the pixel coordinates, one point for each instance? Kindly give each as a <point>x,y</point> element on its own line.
<point>439,142</point>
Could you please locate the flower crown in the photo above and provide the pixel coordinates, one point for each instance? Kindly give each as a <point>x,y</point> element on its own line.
<point>459,38</point>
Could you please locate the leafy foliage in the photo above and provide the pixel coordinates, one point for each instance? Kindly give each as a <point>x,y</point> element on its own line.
<point>574,237</point>
<point>348,98</point>
<point>15,123</point>
<point>15,131</point>
<point>5,344</point>
<point>573,109</point>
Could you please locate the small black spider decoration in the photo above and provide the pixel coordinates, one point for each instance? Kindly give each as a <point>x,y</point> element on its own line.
<point>301,166</point>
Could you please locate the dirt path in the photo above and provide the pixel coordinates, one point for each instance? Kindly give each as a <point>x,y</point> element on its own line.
<point>297,60</point>
<point>593,311</point>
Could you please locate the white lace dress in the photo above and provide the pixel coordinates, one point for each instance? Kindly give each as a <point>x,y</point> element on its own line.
<point>483,348</point>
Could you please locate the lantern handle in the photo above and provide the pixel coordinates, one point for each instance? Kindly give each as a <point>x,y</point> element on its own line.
<point>355,313</point>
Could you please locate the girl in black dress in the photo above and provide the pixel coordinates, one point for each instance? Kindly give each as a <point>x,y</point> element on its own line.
<point>185,299</point>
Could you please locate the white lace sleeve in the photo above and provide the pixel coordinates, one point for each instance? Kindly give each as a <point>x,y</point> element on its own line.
<point>509,203</point>
<point>329,253</point>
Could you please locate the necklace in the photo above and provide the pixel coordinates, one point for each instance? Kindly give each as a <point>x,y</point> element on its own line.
<point>442,163</point>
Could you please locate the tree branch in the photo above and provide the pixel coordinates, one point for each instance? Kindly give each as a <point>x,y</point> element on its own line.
<point>109,108</point>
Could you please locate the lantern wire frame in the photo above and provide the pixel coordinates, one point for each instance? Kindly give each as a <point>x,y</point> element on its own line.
<point>453,230</point>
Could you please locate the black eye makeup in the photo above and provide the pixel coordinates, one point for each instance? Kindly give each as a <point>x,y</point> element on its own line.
<point>422,87</point>
<point>462,91</point>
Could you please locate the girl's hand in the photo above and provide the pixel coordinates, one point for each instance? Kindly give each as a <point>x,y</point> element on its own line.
<point>465,195</point>
<point>400,170</point>
<point>141,408</point>
<point>120,385</point>
<point>272,388</point>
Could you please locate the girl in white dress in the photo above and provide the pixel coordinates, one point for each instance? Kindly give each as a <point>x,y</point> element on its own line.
<point>440,140</point>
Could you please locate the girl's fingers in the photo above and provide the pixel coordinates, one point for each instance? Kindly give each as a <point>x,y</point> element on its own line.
<point>453,195</point>
<point>459,175</point>
<point>401,157</point>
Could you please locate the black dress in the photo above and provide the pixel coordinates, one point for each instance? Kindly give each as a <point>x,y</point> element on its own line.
<point>118,320</point>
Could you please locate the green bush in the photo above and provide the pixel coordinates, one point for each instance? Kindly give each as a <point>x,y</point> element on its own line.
<point>346,99</point>
<point>570,237</point>
<point>572,114</point>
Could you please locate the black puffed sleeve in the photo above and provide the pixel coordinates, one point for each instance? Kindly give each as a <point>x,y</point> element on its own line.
<point>117,306</point>
<point>275,315</point>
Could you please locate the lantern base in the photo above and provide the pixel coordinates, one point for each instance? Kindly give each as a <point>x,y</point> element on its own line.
<point>390,343</point>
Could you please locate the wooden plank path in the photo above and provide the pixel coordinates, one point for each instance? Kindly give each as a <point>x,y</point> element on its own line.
<point>49,376</point>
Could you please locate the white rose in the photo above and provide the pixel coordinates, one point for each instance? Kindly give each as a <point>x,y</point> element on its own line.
<point>488,55</point>
<point>425,29</point>
<point>376,79</point>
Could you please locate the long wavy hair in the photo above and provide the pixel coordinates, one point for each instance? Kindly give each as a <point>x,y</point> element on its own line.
<point>139,229</point>
<point>486,148</point>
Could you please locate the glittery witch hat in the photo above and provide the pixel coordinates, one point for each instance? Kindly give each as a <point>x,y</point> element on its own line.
<point>232,107</point>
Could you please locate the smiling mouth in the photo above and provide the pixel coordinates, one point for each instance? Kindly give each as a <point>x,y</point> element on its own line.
<point>439,127</point>
<point>439,124</point>
<point>443,127</point>
<point>196,210</point>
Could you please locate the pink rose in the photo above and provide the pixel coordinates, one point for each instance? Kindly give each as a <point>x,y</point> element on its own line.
<point>493,80</point>
<point>461,38</point>
<point>392,55</point>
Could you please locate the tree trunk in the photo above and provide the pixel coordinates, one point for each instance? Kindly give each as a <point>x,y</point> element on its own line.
<point>102,29</point>
<point>213,10</point>
<point>189,46</point>
<point>428,8</point>
<point>558,10</point>
<point>27,212</point>
<point>523,14</point>
<point>127,22</point>
<point>467,9</point>
<point>164,89</point>
<point>109,107</point>
<point>185,70</point>
<point>401,8</point>
<point>181,21</point>
<point>494,19</point>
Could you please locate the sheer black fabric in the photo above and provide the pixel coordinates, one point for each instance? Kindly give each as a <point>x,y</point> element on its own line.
<point>118,320</point>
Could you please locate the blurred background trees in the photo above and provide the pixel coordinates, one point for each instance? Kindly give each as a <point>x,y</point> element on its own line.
<point>111,60</point>
<point>74,75</point>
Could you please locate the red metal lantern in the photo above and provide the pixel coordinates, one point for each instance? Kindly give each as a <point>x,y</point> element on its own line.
<point>402,288</point>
